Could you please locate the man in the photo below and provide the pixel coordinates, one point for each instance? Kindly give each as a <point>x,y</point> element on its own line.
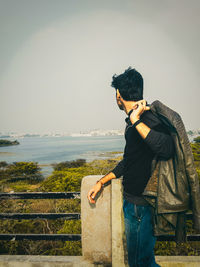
<point>145,137</point>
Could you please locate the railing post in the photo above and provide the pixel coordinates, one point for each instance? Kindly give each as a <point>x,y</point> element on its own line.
<point>96,223</point>
<point>103,236</point>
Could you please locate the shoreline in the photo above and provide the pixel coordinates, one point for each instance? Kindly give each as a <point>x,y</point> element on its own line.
<point>47,168</point>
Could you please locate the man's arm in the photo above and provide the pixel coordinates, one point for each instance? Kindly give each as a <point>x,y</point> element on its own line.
<point>160,142</point>
<point>119,169</point>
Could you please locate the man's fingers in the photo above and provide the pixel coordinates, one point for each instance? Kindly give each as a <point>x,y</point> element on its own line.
<point>94,194</point>
<point>91,195</point>
<point>143,103</point>
<point>135,106</point>
<point>141,106</point>
<point>140,103</point>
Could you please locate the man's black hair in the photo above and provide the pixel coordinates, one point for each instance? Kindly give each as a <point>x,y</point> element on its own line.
<point>129,84</point>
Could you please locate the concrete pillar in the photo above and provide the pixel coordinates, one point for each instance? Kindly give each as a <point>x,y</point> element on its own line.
<point>103,234</point>
<point>96,223</point>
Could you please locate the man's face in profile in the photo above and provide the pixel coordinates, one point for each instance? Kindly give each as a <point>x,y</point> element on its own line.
<point>119,103</point>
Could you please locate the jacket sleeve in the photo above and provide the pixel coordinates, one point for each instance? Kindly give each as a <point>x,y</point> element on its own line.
<point>191,172</point>
<point>119,169</point>
<point>160,142</point>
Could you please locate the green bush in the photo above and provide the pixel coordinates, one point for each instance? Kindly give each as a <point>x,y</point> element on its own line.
<point>69,164</point>
<point>23,168</point>
<point>197,139</point>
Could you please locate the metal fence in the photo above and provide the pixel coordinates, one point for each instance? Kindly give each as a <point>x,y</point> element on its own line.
<point>41,195</point>
<point>66,216</point>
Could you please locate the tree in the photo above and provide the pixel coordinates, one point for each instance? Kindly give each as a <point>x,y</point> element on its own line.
<point>69,164</point>
<point>24,171</point>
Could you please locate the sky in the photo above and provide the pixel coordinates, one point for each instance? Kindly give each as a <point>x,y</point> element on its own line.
<point>57,59</point>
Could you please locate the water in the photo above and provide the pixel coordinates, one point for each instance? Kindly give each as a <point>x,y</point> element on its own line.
<point>47,150</point>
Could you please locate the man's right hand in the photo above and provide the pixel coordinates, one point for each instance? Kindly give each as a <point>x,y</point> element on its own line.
<point>97,187</point>
<point>93,191</point>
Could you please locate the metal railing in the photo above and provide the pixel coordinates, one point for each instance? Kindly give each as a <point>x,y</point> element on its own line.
<point>66,216</point>
<point>41,195</point>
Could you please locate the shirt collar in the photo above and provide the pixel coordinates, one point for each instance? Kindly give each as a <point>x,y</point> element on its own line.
<point>127,120</point>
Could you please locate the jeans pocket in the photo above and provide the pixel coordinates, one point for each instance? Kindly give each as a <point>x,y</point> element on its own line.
<point>140,211</point>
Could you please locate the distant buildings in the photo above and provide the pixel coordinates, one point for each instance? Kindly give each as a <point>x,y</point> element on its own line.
<point>97,132</point>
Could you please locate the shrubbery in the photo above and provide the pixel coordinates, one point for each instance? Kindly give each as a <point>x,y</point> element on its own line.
<point>197,139</point>
<point>69,164</point>
<point>20,170</point>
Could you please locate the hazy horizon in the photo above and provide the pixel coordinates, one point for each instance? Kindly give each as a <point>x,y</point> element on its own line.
<point>58,59</point>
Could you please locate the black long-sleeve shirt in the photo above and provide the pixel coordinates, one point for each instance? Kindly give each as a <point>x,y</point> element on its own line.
<point>138,153</point>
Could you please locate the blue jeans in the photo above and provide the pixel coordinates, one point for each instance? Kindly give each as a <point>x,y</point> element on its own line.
<point>139,235</point>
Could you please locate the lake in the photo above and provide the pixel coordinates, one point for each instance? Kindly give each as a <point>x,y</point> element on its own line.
<point>47,150</point>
